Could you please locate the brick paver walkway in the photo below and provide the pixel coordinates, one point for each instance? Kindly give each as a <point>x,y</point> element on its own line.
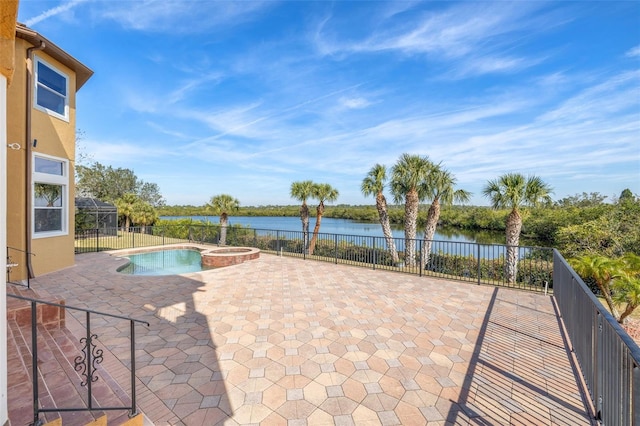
<point>281,340</point>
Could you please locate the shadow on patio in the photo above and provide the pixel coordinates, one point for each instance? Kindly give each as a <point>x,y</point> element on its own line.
<point>280,340</point>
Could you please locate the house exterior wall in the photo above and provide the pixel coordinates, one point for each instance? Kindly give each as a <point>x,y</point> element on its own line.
<point>8,15</point>
<point>55,137</point>
<point>16,163</point>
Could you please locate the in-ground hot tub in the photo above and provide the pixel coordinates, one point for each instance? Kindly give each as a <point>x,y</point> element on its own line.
<point>182,258</point>
<point>227,256</point>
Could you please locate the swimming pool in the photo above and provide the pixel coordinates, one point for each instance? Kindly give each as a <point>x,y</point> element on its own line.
<point>164,262</point>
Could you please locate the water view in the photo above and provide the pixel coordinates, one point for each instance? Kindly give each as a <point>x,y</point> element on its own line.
<point>346,227</point>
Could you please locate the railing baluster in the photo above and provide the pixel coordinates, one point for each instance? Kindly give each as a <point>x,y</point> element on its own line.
<point>89,361</point>
<point>133,369</point>
<point>34,363</point>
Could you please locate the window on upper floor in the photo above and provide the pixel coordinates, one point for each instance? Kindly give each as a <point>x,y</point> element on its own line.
<point>51,91</point>
<point>50,192</point>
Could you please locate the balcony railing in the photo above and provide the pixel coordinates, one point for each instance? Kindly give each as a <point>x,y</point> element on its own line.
<point>85,363</point>
<point>609,359</point>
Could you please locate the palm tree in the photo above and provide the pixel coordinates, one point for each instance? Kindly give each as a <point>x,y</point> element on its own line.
<point>603,271</point>
<point>302,191</point>
<point>408,176</point>
<point>373,184</point>
<point>626,290</point>
<point>223,205</point>
<point>126,206</point>
<point>144,214</point>
<point>513,191</point>
<point>321,192</point>
<point>440,187</point>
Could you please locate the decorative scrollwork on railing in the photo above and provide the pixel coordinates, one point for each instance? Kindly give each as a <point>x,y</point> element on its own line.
<point>81,364</point>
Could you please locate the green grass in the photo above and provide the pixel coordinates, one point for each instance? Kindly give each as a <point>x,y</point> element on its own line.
<point>123,240</point>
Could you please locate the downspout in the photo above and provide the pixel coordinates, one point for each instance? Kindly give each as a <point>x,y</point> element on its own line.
<point>29,146</point>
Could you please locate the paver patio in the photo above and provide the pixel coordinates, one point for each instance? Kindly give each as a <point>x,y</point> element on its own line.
<point>282,340</point>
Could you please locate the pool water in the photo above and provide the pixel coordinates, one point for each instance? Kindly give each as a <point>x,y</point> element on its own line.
<point>164,262</point>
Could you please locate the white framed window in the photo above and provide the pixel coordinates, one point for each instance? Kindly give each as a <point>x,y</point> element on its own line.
<point>51,90</point>
<point>50,196</point>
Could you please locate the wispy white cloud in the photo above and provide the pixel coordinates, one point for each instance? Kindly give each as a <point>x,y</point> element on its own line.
<point>254,110</point>
<point>614,95</point>
<point>192,85</point>
<point>179,16</point>
<point>119,152</point>
<point>479,65</point>
<point>633,52</point>
<point>54,11</point>
<point>453,32</point>
<point>477,37</point>
<point>354,103</point>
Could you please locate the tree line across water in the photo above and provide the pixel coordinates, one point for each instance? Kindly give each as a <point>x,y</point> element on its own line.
<point>586,223</point>
<point>601,240</point>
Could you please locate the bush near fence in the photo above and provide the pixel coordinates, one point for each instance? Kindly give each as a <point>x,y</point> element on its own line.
<point>534,273</point>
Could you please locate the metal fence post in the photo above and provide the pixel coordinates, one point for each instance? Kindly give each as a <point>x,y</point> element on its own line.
<point>635,397</point>
<point>375,260</point>
<point>479,265</point>
<point>420,258</point>
<point>600,371</point>
<point>98,239</point>
<point>335,251</point>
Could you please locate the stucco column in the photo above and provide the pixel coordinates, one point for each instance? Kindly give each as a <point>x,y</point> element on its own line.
<point>8,16</point>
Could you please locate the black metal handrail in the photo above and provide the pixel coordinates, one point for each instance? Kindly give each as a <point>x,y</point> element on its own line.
<point>85,364</point>
<point>10,264</point>
<point>608,357</point>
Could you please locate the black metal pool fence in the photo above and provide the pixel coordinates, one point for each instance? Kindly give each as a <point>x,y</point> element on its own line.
<point>531,268</point>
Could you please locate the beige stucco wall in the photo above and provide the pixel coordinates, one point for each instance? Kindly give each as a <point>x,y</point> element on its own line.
<point>16,165</point>
<point>8,15</point>
<point>56,137</point>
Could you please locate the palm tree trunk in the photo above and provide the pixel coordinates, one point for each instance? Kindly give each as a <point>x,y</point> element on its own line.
<point>224,221</point>
<point>410,226</point>
<point>316,229</point>
<point>628,311</point>
<point>430,230</point>
<point>605,290</point>
<point>514,226</point>
<point>381,205</point>
<point>304,217</point>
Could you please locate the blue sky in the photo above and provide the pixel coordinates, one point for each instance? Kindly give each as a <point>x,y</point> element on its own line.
<point>246,97</point>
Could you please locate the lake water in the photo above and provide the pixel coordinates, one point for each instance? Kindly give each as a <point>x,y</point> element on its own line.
<point>336,226</point>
